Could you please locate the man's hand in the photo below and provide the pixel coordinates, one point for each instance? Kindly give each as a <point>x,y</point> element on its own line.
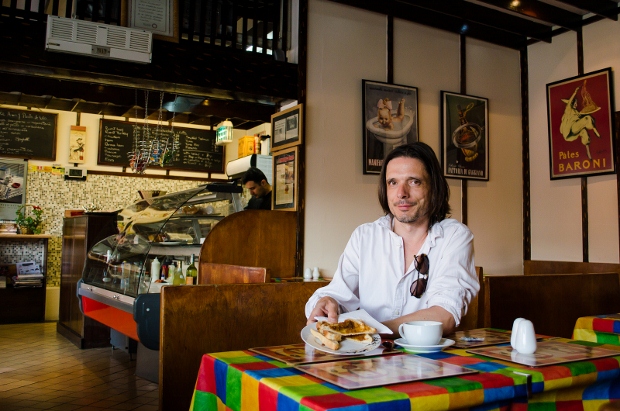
<point>325,307</point>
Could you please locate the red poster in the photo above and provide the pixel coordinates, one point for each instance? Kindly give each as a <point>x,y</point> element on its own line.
<point>581,131</point>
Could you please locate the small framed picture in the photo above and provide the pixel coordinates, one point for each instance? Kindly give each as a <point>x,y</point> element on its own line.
<point>465,136</point>
<point>77,144</point>
<point>390,119</point>
<point>286,179</point>
<point>286,127</point>
<point>158,16</point>
<point>581,126</point>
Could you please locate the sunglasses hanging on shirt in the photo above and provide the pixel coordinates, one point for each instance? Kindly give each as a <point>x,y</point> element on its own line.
<point>419,285</point>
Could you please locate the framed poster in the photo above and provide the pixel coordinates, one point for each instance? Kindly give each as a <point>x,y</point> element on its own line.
<point>464,136</point>
<point>390,119</point>
<point>581,126</point>
<point>13,178</point>
<point>286,179</point>
<point>157,16</point>
<point>286,127</point>
<point>77,142</point>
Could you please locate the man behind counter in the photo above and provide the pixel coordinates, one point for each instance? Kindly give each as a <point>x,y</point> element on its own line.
<point>255,181</point>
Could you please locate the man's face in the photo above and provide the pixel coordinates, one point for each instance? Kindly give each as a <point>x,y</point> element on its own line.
<point>407,190</point>
<point>257,190</point>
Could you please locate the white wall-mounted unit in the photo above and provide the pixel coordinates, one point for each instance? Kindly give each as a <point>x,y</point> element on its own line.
<point>98,40</point>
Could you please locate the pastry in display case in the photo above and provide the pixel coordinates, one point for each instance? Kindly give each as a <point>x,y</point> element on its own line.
<point>158,236</point>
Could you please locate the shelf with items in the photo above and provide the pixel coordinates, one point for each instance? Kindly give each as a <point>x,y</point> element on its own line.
<point>23,304</point>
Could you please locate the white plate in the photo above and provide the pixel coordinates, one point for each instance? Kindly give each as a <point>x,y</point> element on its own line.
<point>443,343</point>
<point>347,347</point>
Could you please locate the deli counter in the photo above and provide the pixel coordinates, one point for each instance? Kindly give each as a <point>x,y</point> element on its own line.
<point>168,229</point>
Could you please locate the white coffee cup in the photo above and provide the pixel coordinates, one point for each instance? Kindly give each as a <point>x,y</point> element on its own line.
<point>524,337</point>
<point>421,333</point>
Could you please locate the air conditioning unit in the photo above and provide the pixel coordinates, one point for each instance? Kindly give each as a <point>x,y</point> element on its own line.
<point>98,40</point>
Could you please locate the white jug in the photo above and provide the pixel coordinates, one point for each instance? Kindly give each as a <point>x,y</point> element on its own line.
<point>523,338</point>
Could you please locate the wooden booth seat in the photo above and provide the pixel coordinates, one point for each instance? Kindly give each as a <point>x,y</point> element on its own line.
<point>235,305</point>
<point>553,302</point>
<point>213,273</point>
<point>475,311</point>
<point>223,317</point>
<point>567,267</point>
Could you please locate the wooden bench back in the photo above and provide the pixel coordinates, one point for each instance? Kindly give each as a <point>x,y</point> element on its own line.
<point>223,317</point>
<point>553,302</point>
<point>567,267</point>
<point>213,273</point>
<point>255,238</point>
<point>475,311</point>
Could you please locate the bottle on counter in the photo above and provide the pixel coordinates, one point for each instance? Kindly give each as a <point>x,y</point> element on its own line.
<point>155,267</point>
<point>164,271</point>
<point>191,275</point>
<point>177,277</point>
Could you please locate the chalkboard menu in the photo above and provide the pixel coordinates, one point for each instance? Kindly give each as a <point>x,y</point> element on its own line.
<point>28,134</point>
<point>196,148</point>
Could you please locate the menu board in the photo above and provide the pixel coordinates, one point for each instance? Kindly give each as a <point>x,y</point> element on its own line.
<point>28,134</point>
<point>196,148</point>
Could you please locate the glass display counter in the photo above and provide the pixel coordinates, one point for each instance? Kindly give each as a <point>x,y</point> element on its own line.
<point>169,228</point>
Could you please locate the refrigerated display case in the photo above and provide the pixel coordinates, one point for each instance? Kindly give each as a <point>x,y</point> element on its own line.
<point>170,228</point>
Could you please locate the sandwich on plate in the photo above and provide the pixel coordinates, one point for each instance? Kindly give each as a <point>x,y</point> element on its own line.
<point>331,335</point>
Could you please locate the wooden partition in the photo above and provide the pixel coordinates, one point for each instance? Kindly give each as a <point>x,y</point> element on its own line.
<point>255,238</point>
<point>221,317</point>
<point>553,302</point>
<point>475,311</point>
<point>567,267</point>
<point>211,318</point>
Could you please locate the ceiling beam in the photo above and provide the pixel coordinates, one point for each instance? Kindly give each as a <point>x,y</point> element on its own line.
<point>487,16</point>
<point>539,11</point>
<point>603,8</point>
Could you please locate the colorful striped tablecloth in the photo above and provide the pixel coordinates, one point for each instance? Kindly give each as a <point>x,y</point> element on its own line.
<point>243,380</point>
<point>604,329</point>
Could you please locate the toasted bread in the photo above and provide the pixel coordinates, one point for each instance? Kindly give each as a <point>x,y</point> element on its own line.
<point>346,328</point>
<point>334,345</point>
<point>361,338</point>
<point>327,333</point>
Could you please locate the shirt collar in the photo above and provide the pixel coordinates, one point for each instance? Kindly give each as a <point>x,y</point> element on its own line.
<point>435,231</point>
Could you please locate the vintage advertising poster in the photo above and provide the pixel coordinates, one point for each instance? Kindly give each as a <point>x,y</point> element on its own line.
<point>285,179</point>
<point>390,116</point>
<point>465,136</point>
<point>580,122</point>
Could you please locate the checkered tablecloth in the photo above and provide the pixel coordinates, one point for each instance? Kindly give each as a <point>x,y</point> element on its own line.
<point>243,380</point>
<point>600,329</point>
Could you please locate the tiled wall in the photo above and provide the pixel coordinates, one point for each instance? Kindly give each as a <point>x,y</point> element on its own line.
<point>55,195</point>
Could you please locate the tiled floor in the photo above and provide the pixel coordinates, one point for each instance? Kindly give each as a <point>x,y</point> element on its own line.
<point>41,370</point>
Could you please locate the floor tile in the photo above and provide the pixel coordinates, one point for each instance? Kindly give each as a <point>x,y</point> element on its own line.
<point>47,372</point>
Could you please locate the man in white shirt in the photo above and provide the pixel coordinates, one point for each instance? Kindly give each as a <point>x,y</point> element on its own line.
<point>411,264</point>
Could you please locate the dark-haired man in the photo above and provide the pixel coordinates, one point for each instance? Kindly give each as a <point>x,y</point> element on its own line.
<point>255,181</point>
<point>413,263</point>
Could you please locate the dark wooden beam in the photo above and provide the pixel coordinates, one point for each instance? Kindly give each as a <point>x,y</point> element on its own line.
<point>603,8</point>
<point>486,16</point>
<point>431,18</point>
<point>540,11</point>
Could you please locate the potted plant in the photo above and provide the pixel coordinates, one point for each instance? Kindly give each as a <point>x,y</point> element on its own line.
<point>29,219</point>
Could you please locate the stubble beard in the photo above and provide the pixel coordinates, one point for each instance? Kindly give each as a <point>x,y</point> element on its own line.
<point>408,218</point>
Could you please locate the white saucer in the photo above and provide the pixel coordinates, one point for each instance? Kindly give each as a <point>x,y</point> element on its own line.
<point>443,343</point>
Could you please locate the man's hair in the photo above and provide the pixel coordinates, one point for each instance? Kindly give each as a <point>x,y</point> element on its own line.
<point>253,174</point>
<point>439,191</point>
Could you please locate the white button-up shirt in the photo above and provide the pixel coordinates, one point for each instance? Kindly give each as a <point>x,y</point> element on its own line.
<point>371,272</point>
